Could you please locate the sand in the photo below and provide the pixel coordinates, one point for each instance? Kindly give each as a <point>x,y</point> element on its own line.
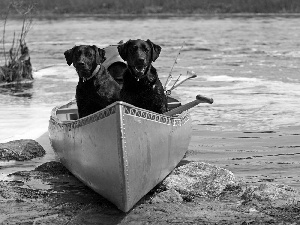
<point>49,194</point>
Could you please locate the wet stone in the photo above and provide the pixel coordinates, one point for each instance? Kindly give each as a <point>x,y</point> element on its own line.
<point>199,179</point>
<point>20,150</point>
<point>270,192</point>
<point>167,196</point>
<point>53,168</point>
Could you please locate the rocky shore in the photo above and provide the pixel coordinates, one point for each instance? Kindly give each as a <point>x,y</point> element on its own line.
<point>21,150</point>
<point>194,193</point>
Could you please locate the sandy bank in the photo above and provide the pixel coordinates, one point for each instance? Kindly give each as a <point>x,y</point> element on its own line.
<point>195,193</point>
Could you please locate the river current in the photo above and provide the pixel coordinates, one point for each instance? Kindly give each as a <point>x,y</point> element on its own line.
<point>248,65</point>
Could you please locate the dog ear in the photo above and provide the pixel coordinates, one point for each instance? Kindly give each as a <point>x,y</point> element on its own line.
<point>152,77</point>
<point>155,50</point>
<point>122,49</point>
<point>69,55</point>
<point>100,55</point>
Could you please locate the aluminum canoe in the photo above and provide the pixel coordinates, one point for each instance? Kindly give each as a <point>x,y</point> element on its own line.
<point>122,151</point>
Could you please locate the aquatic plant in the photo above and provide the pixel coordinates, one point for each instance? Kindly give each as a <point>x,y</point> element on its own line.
<point>17,65</point>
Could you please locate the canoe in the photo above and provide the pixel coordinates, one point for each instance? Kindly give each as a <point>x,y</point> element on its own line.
<point>122,151</point>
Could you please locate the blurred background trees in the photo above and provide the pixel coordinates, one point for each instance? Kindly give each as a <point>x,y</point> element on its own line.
<point>162,6</point>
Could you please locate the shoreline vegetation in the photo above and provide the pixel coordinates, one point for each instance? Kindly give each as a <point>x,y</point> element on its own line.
<point>113,16</point>
<point>158,7</point>
<point>15,65</point>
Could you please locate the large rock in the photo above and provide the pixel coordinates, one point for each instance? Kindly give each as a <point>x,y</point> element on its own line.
<point>21,150</point>
<point>270,192</point>
<point>199,179</point>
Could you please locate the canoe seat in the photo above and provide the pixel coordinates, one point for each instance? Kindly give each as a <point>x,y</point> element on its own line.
<point>173,105</point>
<point>67,113</point>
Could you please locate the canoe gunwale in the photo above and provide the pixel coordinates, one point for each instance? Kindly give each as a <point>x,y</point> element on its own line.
<point>129,109</point>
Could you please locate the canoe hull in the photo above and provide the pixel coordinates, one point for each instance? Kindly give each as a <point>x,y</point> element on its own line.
<point>121,152</point>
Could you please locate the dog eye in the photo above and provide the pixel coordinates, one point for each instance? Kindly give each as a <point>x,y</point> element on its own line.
<point>134,49</point>
<point>88,54</point>
<point>77,53</point>
<point>146,50</point>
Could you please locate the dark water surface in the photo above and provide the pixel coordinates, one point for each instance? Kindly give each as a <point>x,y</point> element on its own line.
<point>248,65</point>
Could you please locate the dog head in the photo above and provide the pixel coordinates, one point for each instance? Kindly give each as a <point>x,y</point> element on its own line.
<point>85,59</point>
<point>139,55</point>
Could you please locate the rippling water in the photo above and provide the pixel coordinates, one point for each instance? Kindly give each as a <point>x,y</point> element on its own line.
<point>250,66</point>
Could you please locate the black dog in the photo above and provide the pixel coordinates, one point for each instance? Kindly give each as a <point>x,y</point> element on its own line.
<point>142,87</point>
<point>96,88</point>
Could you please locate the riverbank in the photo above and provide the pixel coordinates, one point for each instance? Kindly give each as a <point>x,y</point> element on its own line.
<point>53,16</point>
<point>161,7</point>
<point>49,194</point>
<point>193,193</point>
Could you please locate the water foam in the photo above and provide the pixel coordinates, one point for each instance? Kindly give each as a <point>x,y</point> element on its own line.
<point>244,103</point>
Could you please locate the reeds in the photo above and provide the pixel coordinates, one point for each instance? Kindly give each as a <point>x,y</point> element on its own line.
<point>16,64</point>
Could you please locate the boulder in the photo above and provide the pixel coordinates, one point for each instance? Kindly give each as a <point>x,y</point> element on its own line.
<point>20,150</point>
<point>199,179</point>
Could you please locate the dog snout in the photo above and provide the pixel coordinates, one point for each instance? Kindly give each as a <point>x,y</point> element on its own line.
<point>140,60</point>
<point>80,63</point>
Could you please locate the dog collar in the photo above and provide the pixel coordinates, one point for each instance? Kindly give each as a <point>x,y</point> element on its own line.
<point>93,74</point>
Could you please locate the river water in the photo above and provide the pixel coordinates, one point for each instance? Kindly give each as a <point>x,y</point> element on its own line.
<point>248,65</point>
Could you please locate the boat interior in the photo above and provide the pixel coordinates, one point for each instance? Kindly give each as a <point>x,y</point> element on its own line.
<point>69,112</point>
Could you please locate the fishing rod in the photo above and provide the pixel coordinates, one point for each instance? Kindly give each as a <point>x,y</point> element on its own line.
<point>169,79</point>
<point>191,74</point>
<point>175,81</point>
